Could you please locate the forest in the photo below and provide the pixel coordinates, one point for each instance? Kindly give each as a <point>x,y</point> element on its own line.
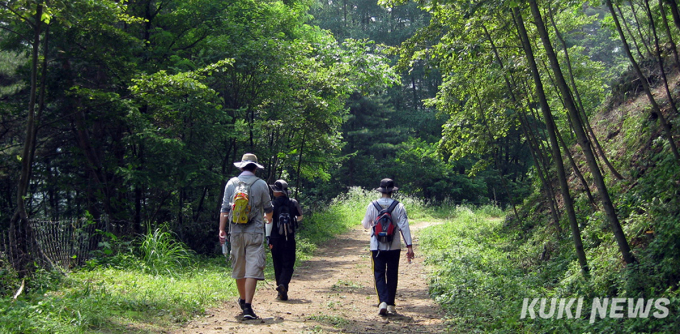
<point>121,118</point>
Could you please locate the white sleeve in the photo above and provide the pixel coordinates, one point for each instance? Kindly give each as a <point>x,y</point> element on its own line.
<point>368,218</point>
<point>403,225</point>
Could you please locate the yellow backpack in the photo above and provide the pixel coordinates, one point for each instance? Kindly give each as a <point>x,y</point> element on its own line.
<point>240,204</point>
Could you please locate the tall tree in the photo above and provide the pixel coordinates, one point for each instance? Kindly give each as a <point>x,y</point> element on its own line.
<point>557,155</point>
<point>582,138</point>
<point>19,228</point>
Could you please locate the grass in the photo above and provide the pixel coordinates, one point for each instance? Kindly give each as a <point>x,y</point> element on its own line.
<point>119,300</point>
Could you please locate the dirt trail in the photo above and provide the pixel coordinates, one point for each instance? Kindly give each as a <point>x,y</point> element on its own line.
<point>333,292</point>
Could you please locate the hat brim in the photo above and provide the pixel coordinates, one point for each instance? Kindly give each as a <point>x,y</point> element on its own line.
<point>241,164</point>
<point>386,190</point>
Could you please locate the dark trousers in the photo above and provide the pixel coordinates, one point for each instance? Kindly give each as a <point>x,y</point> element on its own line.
<point>283,257</point>
<point>386,271</point>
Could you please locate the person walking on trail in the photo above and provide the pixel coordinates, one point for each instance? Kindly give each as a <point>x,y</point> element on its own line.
<point>245,206</point>
<point>287,214</point>
<point>386,218</point>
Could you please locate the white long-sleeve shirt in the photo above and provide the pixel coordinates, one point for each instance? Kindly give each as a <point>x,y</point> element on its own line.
<point>399,217</point>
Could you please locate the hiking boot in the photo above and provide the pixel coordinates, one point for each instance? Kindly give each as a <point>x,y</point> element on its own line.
<point>391,309</point>
<point>283,292</point>
<point>382,308</point>
<point>241,304</point>
<point>248,313</point>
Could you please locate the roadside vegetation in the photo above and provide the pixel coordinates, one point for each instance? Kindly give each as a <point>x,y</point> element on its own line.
<point>483,269</point>
<point>485,266</point>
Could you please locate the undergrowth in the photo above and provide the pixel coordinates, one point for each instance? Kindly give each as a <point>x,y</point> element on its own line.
<point>484,269</point>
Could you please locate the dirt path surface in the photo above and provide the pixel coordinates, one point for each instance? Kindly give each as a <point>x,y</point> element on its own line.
<point>334,293</point>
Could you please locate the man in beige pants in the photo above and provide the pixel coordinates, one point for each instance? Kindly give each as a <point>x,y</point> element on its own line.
<point>247,239</point>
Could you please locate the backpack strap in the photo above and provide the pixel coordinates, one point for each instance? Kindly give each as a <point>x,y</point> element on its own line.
<point>389,208</point>
<point>392,206</point>
<point>377,206</point>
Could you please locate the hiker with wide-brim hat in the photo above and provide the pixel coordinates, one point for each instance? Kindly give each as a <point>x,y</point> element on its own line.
<point>245,228</point>
<point>287,215</point>
<point>385,243</point>
<point>387,186</point>
<point>248,159</point>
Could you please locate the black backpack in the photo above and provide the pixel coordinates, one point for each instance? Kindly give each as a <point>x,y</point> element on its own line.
<point>384,228</point>
<point>286,221</point>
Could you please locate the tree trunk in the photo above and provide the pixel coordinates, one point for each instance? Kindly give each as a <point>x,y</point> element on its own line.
<point>675,12</point>
<point>632,36</point>
<point>299,166</point>
<point>19,229</point>
<point>577,171</point>
<point>582,110</point>
<point>573,164</point>
<point>639,28</point>
<point>674,48</point>
<point>557,155</point>
<point>582,138</point>
<point>547,188</point>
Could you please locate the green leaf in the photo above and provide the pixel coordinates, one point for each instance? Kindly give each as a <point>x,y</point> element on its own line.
<point>45,17</point>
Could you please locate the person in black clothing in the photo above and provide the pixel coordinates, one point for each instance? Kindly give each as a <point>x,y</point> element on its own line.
<point>287,213</point>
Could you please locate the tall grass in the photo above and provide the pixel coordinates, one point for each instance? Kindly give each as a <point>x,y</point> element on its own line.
<point>162,253</point>
<point>475,280</point>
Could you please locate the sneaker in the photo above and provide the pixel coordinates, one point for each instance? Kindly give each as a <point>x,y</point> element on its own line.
<point>242,304</point>
<point>391,309</point>
<point>248,313</point>
<point>382,308</point>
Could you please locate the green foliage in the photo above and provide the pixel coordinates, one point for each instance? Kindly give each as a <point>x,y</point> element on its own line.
<point>10,83</point>
<point>162,253</point>
<point>112,252</point>
<point>9,280</point>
